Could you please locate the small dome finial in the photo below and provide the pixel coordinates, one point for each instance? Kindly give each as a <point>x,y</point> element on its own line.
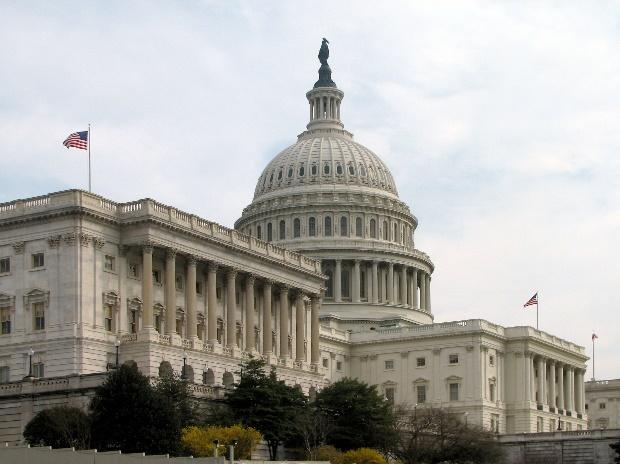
<point>325,72</point>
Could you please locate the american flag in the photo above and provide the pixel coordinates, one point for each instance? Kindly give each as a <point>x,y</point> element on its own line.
<point>594,336</point>
<point>532,301</point>
<point>77,140</point>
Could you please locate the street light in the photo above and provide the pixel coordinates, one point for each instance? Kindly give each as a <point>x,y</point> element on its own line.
<point>184,364</point>
<point>30,355</point>
<point>232,451</point>
<point>559,423</point>
<point>117,343</point>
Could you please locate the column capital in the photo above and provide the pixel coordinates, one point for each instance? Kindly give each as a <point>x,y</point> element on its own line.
<point>171,253</point>
<point>357,261</point>
<point>390,264</point>
<point>338,260</point>
<point>267,282</point>
<point>299,293</point>
<point>212,266</point>
<point>284,288</point>
<point>231,274</point>
<point>192,260</point>
<point>147,247</point>
<point>315,296</point>
<point>250,279</point>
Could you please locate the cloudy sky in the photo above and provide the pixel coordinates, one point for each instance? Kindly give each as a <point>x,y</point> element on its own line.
<point>500,122</point>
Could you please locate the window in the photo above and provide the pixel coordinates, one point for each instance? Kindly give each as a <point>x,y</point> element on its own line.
<point>218,293</point>
<point>5,265</point>
<point>385,230</point>
<point>453,359</point>
<point>179,326</point>
<point>395,233</point>
<point>326,169</point>
<point>5,320</point>
<point>5,375</point>
<point>328,226</point>
<point>339,169</point>
<point>602,405</point>
<point>389,364</point>
<point>421,393</point>
<point>259,233</point>
<point>38,311</point>
<point>539,424</point>
<point>296,228</point>
<point>362,170</point>
<point>199,288</point>
<point>108,318</point>
<point>290,172</point>
<point>495,423</point>
<point>133,270</point>
<point>282,231</point>
<point>38,260</point>
<point>158,322</point>
<point>373,228</point>
<point>325,362</point>
<point>358,227</point>
<point>156,276</point>
<point>454,392</point>
<point>491,360</point>
<point>178,282</point>
<point>269,232</point>
<point>280,174</point>
<point>338,365</point>
<point>38,369</point>
<point>420,362</point>
<point>344,230</point>
<point>109,263</point>
<point>133,322</point>
<point>344,283</point>
<point>302,171</point>
<point>492,392</point>
<point>329,284</point>
<point>220,331</point>
<point>351,170</point>
<point>314,170</point>
<point>312,227</point>
<point>389,394</point>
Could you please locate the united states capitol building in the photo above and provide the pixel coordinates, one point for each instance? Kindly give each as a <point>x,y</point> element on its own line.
<point>319,276</point>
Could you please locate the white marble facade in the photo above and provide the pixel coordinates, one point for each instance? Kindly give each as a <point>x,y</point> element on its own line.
<point>320,277</point>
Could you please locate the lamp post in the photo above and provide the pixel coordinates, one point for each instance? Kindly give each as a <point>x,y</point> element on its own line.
<point>30,355</point>
<point>183,376</point>
<point>466,414</point>
<point>559,423</point>
<point>232,451</point>
<point>117,344</point>
<point>216,443</point>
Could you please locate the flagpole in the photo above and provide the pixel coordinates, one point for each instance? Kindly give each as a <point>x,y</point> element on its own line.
<point>89,177</point>
<point>537,298</point>
<point>593,376</point>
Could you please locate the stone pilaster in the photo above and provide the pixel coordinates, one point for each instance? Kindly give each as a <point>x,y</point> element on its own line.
<point>561,404</point>
<point>315,302</point>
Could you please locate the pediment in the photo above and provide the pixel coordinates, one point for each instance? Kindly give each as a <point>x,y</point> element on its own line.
<point>420,380</point>
<point>454,378</point>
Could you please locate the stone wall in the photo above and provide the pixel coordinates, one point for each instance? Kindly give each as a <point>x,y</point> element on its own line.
<point>578,447</point>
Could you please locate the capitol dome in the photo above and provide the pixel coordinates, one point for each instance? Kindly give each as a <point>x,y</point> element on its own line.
<point>331,198</point>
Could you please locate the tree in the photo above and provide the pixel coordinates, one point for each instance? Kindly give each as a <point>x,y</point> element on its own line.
<point>433,435</point>
<point>265,403</point>
<point>127,413</point>
<point>176,391</point>
<point>616,448</point>
<point>59,427</point>
<point>313,428</point>
<point>198,441</point>
<point>360,416</point>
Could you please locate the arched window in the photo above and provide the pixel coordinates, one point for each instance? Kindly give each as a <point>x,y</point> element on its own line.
<point>312,227</point>
<point>362,170</point>
<point>271,179</point>
<point>339,169</point>
<point>395,237</point>
<point>280,174</point>
<point>358,227</point>
<point>259,233</point>
<point>351,169</point>
<point>386,230</point>
<point>328,226</point>
<point>302,170</point>
<point>402,234</point>
<point>344,229</point>
<point>315,169</point>
<point>269,232</point>
<point>282,230</point>
<point>344,283</point>
<point>329,284</point>
<point>296,228</point>
<point>326,169</point>
<point>290,171</point>
<point>373,228</point>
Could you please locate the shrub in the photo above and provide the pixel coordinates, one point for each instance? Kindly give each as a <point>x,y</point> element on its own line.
<point>362,456</point>
<point>198,441</point>
<point>59,427</point>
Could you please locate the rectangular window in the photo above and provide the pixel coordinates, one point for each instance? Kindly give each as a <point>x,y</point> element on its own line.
<point>38,312</point>
<point>5,319</point>
<point>338,365</point>
<point>133,270</point>
<point>108,318</point>
<point>389,394</point>
<point>158,323</point>
<point>492,392</point>
<point>539,424</point>
<point>453,359</point>
<point>199,288</point>
<point>325,362</point>
<point>551,425</point>
<point>420,362</point>
<point>5,374</point>
<point>178,282</point>
<point>133,322</point>
<point>179,326</point>
<point>38,369</point>
<point>389,364</point>
<point>421,393</point>
<point>236,297</point>
<point>454,392</point>
<point>38,260</point>
<point>602,405</point>
<point>491,360</point>
<point>110,263</point>
<point>156,276</point>
<point>5,265</point>
<point>218,293</point>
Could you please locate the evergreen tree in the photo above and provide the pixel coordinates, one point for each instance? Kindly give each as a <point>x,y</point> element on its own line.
<point>59,427</point>
<point>616,448</point>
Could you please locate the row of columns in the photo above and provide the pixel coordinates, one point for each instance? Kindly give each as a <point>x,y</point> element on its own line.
<point>410,279</point>
<point>558,385</point>
<point>231,279</point>
<point>324,108</point>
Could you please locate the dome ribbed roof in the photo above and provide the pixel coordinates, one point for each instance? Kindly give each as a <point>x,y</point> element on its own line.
<point>325,159</point>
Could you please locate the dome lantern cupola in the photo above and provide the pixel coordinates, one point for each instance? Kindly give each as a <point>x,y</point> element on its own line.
<point>325,97</point>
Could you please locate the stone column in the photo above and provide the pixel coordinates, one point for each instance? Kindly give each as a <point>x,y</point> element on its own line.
<point>541,380</point>
<point>315,355</point>
<point>356,281</point>
<point>578,391</point>
<point>338,281</point>
<point>571,388</point>
<point>171,295</point>
<point>310,111</point>
<point>368,283</point>
<point>552,402</point>
<point>403,285</point>
<point>267,346</point>
<point>422,275</point>
<point>428,293</point>
<point>561,387</point>
<point>375,282</point>
<point>532,379</point>
<point>414,282</point>
<point>147,287</point>
<point>212,304</point>
<point>300,325</point>
<point>390,283</point>
<point>409,291</point>
<point>190,295</point>
<point>527,390</point>
<point>283,322</point>
<point>250,335</point>
<point>582,389</point>
<point>231,308</point>
<point>321,108</point>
